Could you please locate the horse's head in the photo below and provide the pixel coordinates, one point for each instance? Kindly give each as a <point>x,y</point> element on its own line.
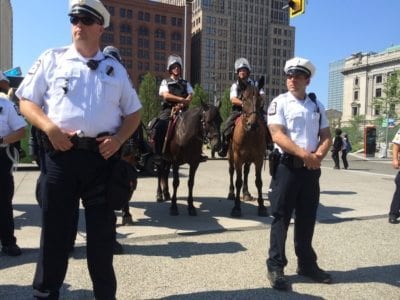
<point>212,122</point>
<point>252,103</point>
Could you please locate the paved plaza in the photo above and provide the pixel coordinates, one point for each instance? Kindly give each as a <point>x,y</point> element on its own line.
<point>214,256</point>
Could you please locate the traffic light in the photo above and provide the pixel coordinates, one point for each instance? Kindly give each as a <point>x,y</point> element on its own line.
<point>296,7</point>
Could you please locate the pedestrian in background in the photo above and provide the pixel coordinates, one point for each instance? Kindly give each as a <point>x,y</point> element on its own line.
<point>346,148</point>
<point>300,131</point>
<point>85,107</point>
<point>12,129</point>
<point>337,147</point>
<point>394,212</point>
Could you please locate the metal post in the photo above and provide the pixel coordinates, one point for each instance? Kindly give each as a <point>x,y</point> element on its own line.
<point>185,40</point>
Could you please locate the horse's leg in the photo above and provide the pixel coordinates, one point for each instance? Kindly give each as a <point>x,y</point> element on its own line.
<point>126,215</point>
<point>236,210</point>
<point>162,182</point>
<point>231,195</point>
<point>246,194</point>
<point>262,210</point>
<point>173,211</point>
<point>192,172</point>
<point>165,192</point>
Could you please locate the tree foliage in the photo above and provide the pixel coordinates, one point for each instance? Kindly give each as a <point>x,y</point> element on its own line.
<point>198,95</point>
<point>148,94</point>
<point>226,105</point>
<point>390,97</point>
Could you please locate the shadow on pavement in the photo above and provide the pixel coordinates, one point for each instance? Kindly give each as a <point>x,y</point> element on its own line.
<point>266,293</point>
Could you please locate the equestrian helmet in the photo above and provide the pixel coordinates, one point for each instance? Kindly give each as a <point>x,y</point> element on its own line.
<point>173,60</point>
<point>242,63</point>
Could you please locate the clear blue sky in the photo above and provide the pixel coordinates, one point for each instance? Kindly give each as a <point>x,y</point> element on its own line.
<point>327,32</point>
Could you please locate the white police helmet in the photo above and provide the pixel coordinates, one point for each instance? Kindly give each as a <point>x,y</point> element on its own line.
<point>172,60</point>
<point>299,65</point>
<point>90,7</point>
<point>112,52</point>
<point>242,63</point>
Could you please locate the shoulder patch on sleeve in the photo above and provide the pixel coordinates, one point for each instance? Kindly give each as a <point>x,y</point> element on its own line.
<point>272,109</point>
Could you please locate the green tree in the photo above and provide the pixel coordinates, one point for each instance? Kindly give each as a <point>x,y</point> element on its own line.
<point>226,105</point>
<point>390,96</point>
<point>386,104</point>
<point>148,94</point>
<point>198,95</point>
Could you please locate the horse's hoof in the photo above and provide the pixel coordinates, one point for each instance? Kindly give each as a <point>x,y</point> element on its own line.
<point>231,196</point>
<point>192,211</point>
<point>236,212</point>
<point>159,198</point>
<point>167,196</point>
<point>173,211</point>
<point>127,220</point>
<point>247,197</point>
<point>262,212</point>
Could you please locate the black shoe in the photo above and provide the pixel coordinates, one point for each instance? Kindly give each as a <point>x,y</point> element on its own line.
<point>12,250</point>
<point>203,158</point>
<point>393,220</point>
<point>316,274</point>
<point>278,280</point>
<point>118,249</point>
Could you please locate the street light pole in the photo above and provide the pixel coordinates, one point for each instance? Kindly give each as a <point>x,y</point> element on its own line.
<point>185,38</point>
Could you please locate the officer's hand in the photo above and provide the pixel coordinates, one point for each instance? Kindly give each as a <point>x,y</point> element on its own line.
<point>395,163</point>
<point>59,140</point>
<point>108,146</point>
<point>312,161</point>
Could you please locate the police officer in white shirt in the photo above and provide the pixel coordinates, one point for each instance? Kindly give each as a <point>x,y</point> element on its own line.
<point>12,129</point>
<point>85,107</point>
<point>175,91</point>
<point>300,131</point>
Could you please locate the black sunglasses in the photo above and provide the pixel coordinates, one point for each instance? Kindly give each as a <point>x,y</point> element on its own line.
<point>84,20</point>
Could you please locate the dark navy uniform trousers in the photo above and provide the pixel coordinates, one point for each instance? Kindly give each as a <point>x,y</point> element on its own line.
<point>293,190</point>
<point>6,194</point>
<point>66,178</point>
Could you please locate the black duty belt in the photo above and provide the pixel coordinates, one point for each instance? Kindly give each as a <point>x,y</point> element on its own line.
<point>291,161</point>
<point>79,143</point>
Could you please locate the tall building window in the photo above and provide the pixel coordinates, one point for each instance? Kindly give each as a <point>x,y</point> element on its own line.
<point>378,93</point>
<point>378,79</point>
<point>355,95</point>
<point>354,111</point>
<point>159,34</point>
<point>143,31</point>
<point>377,110</point>
<point>122,12</point>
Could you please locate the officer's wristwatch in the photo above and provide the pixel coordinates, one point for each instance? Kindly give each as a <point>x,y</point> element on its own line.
<point>1,140</point>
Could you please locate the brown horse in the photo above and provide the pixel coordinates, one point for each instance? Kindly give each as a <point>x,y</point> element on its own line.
<point>248,146</point>
<point>192,128</point>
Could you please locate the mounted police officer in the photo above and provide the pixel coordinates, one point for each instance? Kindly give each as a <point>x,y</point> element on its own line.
<point>175,91</point>
<point>85,107</point>
<point>300,131</point>
<point>12,129</point>
<point>243,70</point>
